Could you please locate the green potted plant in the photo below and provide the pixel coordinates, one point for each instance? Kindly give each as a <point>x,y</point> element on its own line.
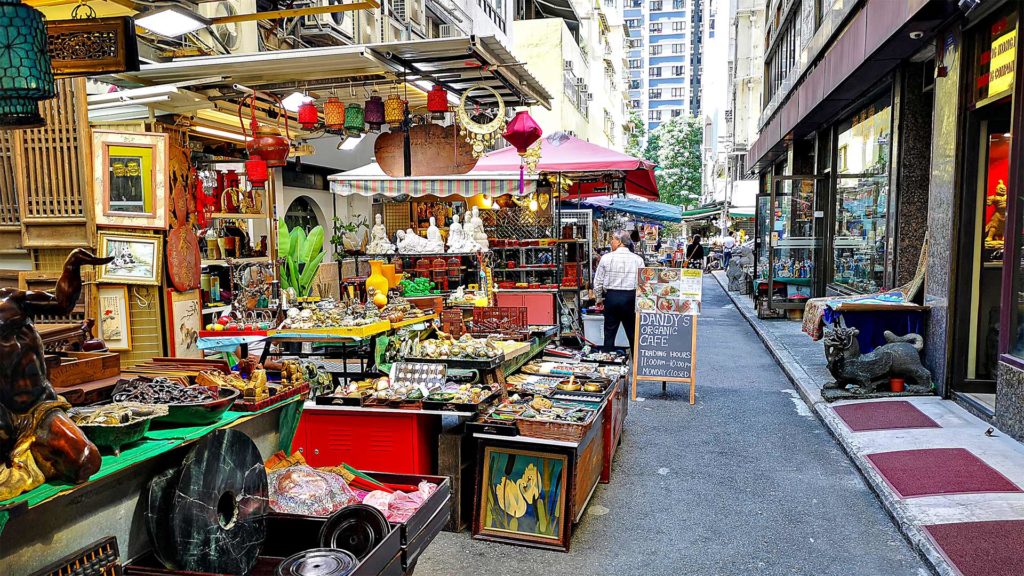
<point>299,256</point>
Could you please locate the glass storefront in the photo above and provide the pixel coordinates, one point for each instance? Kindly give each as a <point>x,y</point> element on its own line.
<point>862,197</point>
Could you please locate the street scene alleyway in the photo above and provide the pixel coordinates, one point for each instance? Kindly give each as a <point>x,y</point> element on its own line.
<point>746,481</point>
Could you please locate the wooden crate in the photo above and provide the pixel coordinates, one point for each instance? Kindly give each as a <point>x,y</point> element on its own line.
<point>78,367</point>
<point>456,459</point>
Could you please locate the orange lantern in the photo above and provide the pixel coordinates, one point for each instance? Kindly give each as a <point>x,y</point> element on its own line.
<point>334,113</point>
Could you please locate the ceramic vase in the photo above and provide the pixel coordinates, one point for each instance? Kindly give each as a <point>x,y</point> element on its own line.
<point>388,270</point>
<point>376,279</point>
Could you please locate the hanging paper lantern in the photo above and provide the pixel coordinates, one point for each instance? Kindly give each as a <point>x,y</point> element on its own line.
<point>394,110</point>
<point>353,120</point>
<point>522,132</point>
<point>334,113</point>
<point>25,73</point>
<point>308,116</point>
<point>437,102</point>
<point>373,113</point>
<point>256,172</point>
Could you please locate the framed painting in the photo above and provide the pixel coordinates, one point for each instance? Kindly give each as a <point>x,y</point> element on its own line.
<point>523,498</point>
<point>184,316</point>
<point>137,258</point>
<point>130,179</point>
<point>115,322</point>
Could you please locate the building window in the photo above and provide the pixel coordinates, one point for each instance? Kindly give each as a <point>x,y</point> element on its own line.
<point>677,92</point>
<point>633,23</point>
<point>609,3</point>
<point>634,84</point>
<point>655,5</point>
<point>654,115</point>
<point>678,26</point>
<point>654,94</point>
<point>635,43</point>
<point>677,48</point>
<point>782,57</point>
<point>862,192</point>
<point>655,49</point>
<point>654,72</point>
<point>655,27</point>
<point>676,113</point>
<point>634,104</point>
<point>677,70</point>
<point>635,63</point>
<point>677,4</point>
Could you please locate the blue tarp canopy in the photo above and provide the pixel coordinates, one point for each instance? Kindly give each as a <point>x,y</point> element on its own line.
<point>649,210</point>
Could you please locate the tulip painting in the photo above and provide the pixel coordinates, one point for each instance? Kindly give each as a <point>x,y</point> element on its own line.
<point>523,496</point>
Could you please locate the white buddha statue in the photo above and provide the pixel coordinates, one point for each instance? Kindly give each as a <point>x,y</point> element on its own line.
<point>479,235</point>
<point>379,243</point>
<point>435,244</point>
<point>412,243</point>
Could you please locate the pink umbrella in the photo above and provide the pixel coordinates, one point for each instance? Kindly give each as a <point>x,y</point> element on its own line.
<point>561,152</point>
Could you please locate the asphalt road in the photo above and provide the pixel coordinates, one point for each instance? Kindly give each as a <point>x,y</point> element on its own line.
<point>747,481</point>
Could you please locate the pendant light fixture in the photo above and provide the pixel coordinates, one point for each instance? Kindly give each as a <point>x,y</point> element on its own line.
<point>437,102</point>
<point>354,120</point>
<point>394,110</point>
<point>373,113</point>
<point>26,76</point>
<point>334,113</point>
<point>308,115</point>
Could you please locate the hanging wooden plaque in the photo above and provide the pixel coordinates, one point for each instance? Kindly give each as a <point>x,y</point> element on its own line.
<point>436,151</point>
<point>89,46</point>
<point>183,258</point>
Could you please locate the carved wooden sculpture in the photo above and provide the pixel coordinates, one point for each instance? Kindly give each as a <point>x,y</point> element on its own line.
<point>38,441</point>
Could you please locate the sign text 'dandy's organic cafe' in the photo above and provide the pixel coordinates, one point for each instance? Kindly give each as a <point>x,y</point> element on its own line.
<point>667,302</point>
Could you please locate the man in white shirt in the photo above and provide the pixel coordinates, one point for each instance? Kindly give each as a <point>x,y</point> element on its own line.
<point>615,284</point>
<point>728,244</point>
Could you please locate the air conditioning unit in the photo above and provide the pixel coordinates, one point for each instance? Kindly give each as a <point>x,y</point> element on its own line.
<point>237,37</point>
<point>367,27</point>
<point>337,25</point>
<point>397,10</point>
<point>446,31</point>
<point>417,14</point>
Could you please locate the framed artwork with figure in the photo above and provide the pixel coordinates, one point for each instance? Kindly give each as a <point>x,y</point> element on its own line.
<point>130,179</point>
<point>523,498</point>
<point>114,317</point>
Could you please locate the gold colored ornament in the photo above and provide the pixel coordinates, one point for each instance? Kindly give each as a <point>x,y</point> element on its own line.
<point>531,158</point>
<point>480,136</point>
<point>304,149</point>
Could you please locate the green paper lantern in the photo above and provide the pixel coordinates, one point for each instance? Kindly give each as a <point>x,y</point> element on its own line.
<point>354,120</point>
<point>26,76</point>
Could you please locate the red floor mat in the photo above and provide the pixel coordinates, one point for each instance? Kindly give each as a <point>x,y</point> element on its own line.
<point>939,471</point>
<point>865,416</point>
<point>982,548</point>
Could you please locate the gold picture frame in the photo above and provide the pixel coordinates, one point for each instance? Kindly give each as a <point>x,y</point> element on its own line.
<point>138,258</point>
<point>130,179</point>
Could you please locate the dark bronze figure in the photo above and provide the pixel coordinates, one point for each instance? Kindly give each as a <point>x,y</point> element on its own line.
<point>869,373</point>
<point>37,439</point>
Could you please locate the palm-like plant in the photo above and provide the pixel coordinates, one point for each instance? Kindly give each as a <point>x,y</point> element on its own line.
<point>299,255</point>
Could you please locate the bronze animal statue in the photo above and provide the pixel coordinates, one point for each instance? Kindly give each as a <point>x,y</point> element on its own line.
<point>867,373</point>
<point>38,441</point>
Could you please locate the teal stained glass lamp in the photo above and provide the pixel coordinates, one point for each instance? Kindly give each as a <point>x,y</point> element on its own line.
<point>25,73</point>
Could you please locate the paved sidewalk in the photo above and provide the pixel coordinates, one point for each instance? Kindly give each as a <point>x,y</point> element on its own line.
<point>961,506</point>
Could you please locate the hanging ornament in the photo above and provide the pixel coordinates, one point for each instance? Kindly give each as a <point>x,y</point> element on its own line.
<point>532,158</point>
<point>373,113</point>
<point>478,134</point>
<point>256,171</point>
<point>266,141</point>
<point>394,110</point>
<point>354,120</point>
<point>334,113</point>
<point>27,74</point>
<point>437,102</point>
<point>308,116</point>
<point>522,132</point>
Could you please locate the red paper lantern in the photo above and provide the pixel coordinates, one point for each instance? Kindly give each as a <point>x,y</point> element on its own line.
<point>308,116</point>
<point>437,102</point>
<point>256,172</point>
<point>522,131</point>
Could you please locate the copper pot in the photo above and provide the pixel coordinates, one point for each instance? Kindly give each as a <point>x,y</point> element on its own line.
<point>268,143</point>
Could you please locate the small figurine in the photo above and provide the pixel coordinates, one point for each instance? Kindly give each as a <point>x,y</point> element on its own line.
<point>995,230</point>
<point>435,244</point>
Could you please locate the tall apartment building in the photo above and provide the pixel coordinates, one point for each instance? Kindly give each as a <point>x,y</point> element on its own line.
<point>665,57</point>
<point>746,70</point>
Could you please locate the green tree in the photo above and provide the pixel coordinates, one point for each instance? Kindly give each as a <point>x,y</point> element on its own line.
<point>635,133</point>
<point>675,147</point>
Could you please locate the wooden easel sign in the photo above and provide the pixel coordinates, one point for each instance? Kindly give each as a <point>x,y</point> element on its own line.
<point>665,346</point>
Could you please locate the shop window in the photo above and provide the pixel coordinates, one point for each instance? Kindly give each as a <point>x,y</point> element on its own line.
<point>300,214</point>
<point>862,198</point>
<point>995,58</point>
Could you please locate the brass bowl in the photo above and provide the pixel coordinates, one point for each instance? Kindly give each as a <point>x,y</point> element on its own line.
<point>569,386</point>
<point>593,387</point>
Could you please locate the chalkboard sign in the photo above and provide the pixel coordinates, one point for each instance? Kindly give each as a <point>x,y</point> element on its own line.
<point>665,342</point>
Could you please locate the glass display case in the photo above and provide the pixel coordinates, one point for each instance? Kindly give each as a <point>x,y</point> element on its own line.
<point>789,244</point>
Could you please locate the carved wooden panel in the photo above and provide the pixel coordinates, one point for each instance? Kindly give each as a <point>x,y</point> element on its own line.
<point>436,151</point>
<point>52,174</point>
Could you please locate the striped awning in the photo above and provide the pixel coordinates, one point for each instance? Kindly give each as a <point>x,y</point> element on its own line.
<point>467,185</point>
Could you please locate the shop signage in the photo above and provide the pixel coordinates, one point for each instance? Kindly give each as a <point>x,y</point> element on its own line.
<point>90,46</point>
<point>665,346</point>
<point>1002,62</point>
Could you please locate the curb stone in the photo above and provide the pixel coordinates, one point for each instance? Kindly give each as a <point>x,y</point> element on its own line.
<point>810,393</point>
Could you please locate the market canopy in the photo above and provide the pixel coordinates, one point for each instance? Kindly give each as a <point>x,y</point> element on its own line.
<point>648,210</point>
<point>370,180</point>
<point>703,212</point>
<point>561,152</point>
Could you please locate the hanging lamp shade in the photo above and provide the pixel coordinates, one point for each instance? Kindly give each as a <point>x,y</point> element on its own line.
<point>26,76</point>
<point>354,120</point>
<point>437,102</point>
<point>256,172</point>
<point>308,116</point>
<point>394,110</point>
<point>522,132</point>
<point>334,113</point>
<point>373,113</point>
